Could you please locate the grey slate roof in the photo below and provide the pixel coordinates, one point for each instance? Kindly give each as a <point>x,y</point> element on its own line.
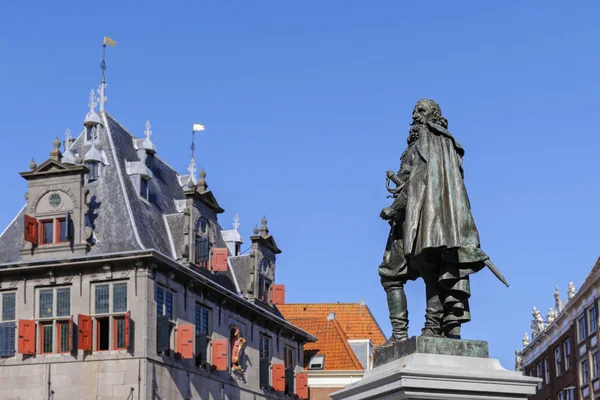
<point>122,220</point>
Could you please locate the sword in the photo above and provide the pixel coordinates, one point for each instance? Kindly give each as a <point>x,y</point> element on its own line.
<point>488,263</point>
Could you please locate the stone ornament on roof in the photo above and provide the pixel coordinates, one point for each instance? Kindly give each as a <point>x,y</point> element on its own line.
<point>92,117</point>
<point>518,361</point>
<point>571,290</point>
<point>525,340</point>
<point>192,170</point>
<point>236,222</point>
<point>557,304</point>
<point>550,316</point>
<point>537,324</point>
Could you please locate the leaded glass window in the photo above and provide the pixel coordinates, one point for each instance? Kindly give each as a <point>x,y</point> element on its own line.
<point>101,299</point>
<point>169,304</point>
<point>8,306</point>
<point>120,297</point>
<point>46,300</point>
<point>264,347</point>
<point>120,334</point>
<point>47,338</point>
<point>202,319</point>
<point>160,301</point>
<point>63,302</point>
<point>64,337</point>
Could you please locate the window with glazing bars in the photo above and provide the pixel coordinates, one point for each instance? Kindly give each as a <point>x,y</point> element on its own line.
<point>264,347</point>
<point>46,300</point>
<point>101,299</point>
<point>120,297</point>
<point>202,319</point>
<point>169,304</point>
<point>47,338</point>
<point>593,319</point>
<point>8,306</point>
<point>63,302</point>
<point>160,300</point>
<point>120,333</point>
<point>63,328</point>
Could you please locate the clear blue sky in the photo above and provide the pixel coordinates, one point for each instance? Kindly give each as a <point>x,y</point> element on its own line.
<point>307,104</point>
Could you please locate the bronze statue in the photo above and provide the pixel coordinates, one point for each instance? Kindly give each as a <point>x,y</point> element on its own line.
<point>433,235</point>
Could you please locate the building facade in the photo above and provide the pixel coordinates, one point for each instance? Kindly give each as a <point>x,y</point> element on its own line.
<point>563,349</point>
<point>346,338</point>
<point>117,281</point>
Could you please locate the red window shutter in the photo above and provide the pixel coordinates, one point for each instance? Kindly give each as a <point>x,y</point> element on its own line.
<point>127,324</point>
<point>279,377</point>
<point>84,341</point>
<point>31,229</point>
<point>302,385</point>
<point>219,354</point>
<point>219,259</point>
<point>26,336</point>
<point>278,294</point>
<point>185,341</point>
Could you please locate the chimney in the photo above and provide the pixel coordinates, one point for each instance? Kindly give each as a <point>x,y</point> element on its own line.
<point>331,316</point>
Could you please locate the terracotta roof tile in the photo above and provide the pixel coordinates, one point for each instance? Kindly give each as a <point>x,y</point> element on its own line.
<point>331,341</point>
<point>355,319</point>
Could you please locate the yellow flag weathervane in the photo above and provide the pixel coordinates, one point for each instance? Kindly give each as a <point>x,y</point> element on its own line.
<point>109,42</point>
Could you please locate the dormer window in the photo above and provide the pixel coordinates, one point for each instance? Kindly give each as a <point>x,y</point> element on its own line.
<point>317,362</point>
<point>54,231</point>
<point>144,187</point>
<point>94,170</point>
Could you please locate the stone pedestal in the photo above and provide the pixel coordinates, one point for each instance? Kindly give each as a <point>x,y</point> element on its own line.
<point>437,368</point>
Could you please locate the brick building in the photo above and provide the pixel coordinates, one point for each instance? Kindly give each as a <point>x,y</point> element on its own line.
<point>563,349</point>
<point>346,337</point>
<point>117,281</point>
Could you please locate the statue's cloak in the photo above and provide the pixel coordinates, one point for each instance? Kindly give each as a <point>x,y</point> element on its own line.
<point>438,211</point>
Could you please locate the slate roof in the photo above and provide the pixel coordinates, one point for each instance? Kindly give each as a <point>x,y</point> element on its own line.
<point>331,341</point>
<point>355,319</point>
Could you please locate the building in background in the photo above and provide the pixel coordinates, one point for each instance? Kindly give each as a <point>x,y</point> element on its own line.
<point>117,281</point>
<point>346,337</point>
<point>563,348</point>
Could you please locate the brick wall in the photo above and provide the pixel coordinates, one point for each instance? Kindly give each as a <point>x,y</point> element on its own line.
<point>322,393</point>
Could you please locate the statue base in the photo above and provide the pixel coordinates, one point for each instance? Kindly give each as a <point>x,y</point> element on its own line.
<point>435,369</point>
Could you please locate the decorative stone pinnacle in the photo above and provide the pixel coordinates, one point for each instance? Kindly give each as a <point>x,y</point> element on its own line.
<point>525,340</point>
<point>192,171</point>
<point>32,164</point>
<point>571,290</point>
<point>264,231</point>
<point>255,230</point>
<point>92,104</point>
<point>55,154</point>
<point>148,130</point>
<point>202,185</point>
<point>67,139</point>
<point>236,222</point>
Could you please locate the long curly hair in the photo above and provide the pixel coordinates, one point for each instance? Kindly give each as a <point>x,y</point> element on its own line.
<point>437,117</point>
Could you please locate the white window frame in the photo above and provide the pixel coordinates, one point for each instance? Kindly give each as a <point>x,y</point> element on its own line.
<point>581,333</point>
<point>110,314</point>
<point>591,330</point>
<point>546,371</point>
<point>582,376</point>
<point>566,354</point>
<point>595,364</point>
<point>54,319</point>
<point>558,364</point>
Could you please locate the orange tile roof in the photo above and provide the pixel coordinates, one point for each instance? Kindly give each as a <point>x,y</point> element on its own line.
<point>355,319</point>
<point>331,341</point>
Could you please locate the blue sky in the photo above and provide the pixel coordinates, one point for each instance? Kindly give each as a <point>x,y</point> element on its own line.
<point>307,104</point>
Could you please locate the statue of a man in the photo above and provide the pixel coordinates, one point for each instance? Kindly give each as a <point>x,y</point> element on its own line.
<point>433,235</point>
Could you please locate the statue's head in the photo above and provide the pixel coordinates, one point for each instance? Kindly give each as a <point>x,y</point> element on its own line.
<point>427,110</point>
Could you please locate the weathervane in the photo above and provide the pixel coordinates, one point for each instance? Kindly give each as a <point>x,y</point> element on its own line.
<point>192,165</point>
<point>101,90</point>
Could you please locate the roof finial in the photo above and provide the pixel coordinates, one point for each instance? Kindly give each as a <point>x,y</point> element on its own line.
<point>255,230</point>
<point>264,231</point>
<point>236,222</point>
<point>192,170</point>
<point>67,139</point>
<point>32,164</point>
<point>92,102</point>
<point>101,90</point>
<point>202,185</point>
<point>148,130</point>
<point>55,154</point>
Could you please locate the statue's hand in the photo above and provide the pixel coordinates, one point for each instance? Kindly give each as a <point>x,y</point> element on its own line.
<point>389,174</point>
<point>387,213</point>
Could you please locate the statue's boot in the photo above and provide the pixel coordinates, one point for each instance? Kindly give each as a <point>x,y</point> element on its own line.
<point>452,331</point>
<point>397,304</point>
<point>434,313</point>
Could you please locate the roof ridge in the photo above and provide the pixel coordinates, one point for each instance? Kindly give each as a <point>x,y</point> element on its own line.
<point>133,137</point>
<point>374,320</point>
<point>345,339</point>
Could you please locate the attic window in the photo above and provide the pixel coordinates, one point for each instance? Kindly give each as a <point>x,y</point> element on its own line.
<point>144,188</point>
<point>317,362</point>
<point>94,170</point>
